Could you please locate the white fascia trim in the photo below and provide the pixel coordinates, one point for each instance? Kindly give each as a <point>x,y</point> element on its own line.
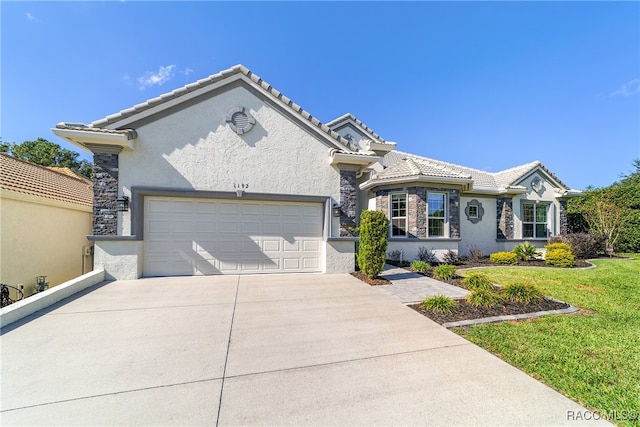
<point>559,193</point>
<point>174,101</point>
<point>467,183</point>
<point>82,137</point>
<point>352,159</point>
<point>377,146</point>
<point>124,122</point>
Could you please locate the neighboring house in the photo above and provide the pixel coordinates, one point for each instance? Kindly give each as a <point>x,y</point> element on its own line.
<point>45,217</point>
<point>228,176</point>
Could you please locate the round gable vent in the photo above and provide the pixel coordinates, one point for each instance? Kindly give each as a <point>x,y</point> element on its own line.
<point>240,120</point>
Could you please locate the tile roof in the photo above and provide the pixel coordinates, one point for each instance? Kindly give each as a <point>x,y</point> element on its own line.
<point>71,173</point>
<point>366,128</point>
<point>208,81</point>
<point>481,179</point>
<point>28,178</point>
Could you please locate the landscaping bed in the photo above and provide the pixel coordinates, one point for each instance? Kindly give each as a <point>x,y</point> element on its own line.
<point>465,311</point>
<point>376,281</point>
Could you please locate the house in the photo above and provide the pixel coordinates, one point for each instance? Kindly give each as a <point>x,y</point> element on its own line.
<point>229,176</point>
<point>45,216</point>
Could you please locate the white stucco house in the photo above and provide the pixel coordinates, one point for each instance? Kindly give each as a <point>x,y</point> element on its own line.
<point>229,176</point>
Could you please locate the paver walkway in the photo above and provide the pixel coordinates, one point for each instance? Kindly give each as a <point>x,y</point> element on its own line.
<point>409,287</point>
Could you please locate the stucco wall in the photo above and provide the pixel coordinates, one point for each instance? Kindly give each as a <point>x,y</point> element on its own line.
<point>410,247</point>
<point>482,234</point>
<point>340,256</point>
<point>194,148</point>
<point>38,239</point>
<point>121,260</point>
<point>546,194</point>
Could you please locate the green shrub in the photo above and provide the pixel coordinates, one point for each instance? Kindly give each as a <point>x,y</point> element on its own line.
<point>477,281</point>
<point>483,298</point>
<point>444,272</point>
<point>583,245</point>
<point>560,258</point>
<point>439,303</point>
<point>427,255</point>
<point>525,251</point>
<point>374,228</point>
<point>452,257</point>
<point>503,258</point>
<point>420,266</point>
<point>558,245</point>
<point>522,292</point>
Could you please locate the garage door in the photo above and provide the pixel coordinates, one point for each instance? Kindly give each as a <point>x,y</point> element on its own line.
<point>205,236</point>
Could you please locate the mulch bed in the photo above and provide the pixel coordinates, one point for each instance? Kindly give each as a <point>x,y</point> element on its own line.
<point>373,282</point>
<point>464,311</point>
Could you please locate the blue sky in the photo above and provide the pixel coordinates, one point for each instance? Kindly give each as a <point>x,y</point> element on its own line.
<point>488,85</point>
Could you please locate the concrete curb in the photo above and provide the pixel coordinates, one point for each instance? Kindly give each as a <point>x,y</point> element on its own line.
<point>30,305</point>
<point>495,319</point>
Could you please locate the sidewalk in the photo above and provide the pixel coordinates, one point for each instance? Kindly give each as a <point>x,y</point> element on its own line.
<point>409,287</point>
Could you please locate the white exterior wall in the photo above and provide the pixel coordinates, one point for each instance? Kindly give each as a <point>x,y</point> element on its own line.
<point>121,260</point>
<point>546,194</point>
<point>410,247</point>
<point>42,237</point>
<point>195,149</point>
<point>481,235</point>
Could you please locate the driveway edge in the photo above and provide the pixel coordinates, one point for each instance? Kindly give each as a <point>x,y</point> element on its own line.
<point>30,305</point>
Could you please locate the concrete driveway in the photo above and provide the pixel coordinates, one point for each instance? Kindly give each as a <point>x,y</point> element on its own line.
<point>256,350</point>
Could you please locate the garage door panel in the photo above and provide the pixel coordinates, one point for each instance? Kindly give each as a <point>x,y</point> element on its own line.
<point>208,236</point>
<point>271,245</point>
<point>251,227</point>
<point>310,263</point>
<point>291,264</point>
<point>271,229</point>
<point>310,246</point>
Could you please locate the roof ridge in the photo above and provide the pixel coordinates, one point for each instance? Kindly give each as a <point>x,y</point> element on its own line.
<point>214,78</point>
<point>359,123</point>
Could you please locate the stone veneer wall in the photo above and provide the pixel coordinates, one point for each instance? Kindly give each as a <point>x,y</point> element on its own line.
<point>417,209</point>
<point>105,193</point>
<point>348,203</point>
<point>504,218</point>
<point>564,220</point>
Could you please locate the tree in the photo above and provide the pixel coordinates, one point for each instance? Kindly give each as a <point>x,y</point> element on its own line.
<point>372,252</point>
<point>613,211</point>
<point>46,153</point>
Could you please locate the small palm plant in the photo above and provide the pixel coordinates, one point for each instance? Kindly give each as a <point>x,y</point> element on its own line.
<point>526,251</point>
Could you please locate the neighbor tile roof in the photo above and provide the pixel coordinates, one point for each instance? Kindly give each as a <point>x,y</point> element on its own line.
<point>212,79</point>
<point>28,178</point>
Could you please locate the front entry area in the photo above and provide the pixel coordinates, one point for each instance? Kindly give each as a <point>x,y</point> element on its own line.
<point>196,236</point>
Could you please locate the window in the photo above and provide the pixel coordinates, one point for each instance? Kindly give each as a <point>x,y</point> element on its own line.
<point>436,215</point>
<point>398,215</point>
<point>534,220</point>
<point>473,211</point>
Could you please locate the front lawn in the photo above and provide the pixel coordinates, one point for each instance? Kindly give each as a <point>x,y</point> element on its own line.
<point>594,356</point>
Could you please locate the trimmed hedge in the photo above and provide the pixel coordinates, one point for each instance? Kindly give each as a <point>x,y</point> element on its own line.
<point>559,258</point>
<point>583,245</point>
<point>374,228</point>
<point>504,258</point>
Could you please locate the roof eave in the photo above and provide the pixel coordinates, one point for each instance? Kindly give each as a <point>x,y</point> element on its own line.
<point>84,138</point>
<point>466,183</point>
<point>337,158</point>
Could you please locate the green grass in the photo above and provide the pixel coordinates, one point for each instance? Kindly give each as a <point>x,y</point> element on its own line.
<point>592,357</point>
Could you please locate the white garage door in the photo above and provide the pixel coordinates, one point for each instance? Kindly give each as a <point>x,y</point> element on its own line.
<point>205,236</point>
